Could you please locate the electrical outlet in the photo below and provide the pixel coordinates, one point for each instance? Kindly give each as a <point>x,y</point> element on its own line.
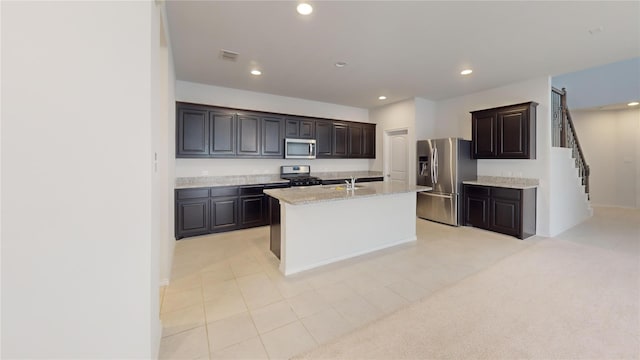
<point>204,172</point>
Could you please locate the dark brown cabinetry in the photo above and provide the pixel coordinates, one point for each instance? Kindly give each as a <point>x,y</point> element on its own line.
<point>476,200</point>
<point>272,135</point>
<point>224,208</point>
<point>207,131</point>
<point>193,132</point>
<point>345,140</point>
<point>324,131</point>
<point>369,141</point>
<point>507,132</point>
<point>248,135</point>
<point>300,128</point>
<point>202,211</point>
<point>253,206</point>
<point>192,212</point>
<point>356,140</point>
<point>504,210</point>
<point>340,141</point>
<point>223,134</point>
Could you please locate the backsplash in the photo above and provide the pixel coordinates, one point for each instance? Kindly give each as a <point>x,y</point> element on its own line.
<point>226,167</point>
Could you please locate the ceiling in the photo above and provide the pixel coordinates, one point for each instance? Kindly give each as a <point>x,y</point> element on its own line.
<point>400,49</point>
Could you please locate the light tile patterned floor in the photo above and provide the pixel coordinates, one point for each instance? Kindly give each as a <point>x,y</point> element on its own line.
<point>227,299</point>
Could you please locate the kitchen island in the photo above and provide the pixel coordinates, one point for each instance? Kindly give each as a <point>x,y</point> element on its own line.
<point>319,225</point>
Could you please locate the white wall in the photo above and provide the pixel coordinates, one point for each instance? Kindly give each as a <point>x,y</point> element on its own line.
<point>425,119</point>
<point>454,120</point>
<point>166,148</point>
<point>248,100</point>
<point>77,269</point>
<point>396,116</point>
<point>601,85</point>
<point>568,198</point>
<point>611,142</point>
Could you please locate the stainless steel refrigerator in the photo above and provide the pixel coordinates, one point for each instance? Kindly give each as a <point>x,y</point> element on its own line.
<point>444,164</point>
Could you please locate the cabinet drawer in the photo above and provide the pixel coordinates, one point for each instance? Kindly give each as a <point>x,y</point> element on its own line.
<point>477,190</point>
<point>251,190</point>
<point>504,193</point>
<point>184,194</point>
<point>224,191</point>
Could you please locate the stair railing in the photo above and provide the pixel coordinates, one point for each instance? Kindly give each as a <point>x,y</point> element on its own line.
<point>564,134</point>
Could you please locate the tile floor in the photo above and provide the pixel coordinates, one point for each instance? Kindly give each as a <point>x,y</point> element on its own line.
<point>228,300</point>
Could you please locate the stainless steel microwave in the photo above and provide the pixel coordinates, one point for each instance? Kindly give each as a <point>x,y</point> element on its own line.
<point>299,148</point>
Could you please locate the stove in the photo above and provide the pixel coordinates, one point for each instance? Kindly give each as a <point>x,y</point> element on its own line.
<point>299,175</point>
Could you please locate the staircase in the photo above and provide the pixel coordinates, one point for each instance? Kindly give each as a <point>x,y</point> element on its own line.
<point>569,170</point>
<point>564,134</point>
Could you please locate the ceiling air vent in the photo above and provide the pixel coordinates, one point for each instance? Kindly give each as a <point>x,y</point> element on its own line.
<point>228,55</point>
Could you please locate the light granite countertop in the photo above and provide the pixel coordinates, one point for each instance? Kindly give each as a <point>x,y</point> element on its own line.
<point>505,182</point>
<point>234,180</point>
<point>315,194</point>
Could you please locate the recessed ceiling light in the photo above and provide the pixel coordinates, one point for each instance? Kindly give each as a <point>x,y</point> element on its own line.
<point>633,103</point>
<point>256,72</point>
<point>466,72</point>
<point>304,9</point>
<point>341,64</point>
<point>382,97</point>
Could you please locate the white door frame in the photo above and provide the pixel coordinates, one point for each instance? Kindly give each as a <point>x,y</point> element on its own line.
<point>386,159</point>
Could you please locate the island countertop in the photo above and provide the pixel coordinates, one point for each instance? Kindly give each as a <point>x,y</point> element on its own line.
<point>315,194</point>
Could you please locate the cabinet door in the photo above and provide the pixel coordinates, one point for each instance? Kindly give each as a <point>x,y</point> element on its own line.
<point>476,206</point>
<point>505,216</point>
<point>248,135</point>
<point>272,137</point>
<point>483,127</point>
<point>224,213</point>
<point>192,217</point>
<point>369,141</point>
<point>340,140</point>
<point>323,138</point>
<point>355,141</point>
<point>192,132</point>
<point>223,133</point>
<point>253,210</point>
<point>513,133</point>
<point>292,128</point>
<point>476,211</point>
<point>307,128</point>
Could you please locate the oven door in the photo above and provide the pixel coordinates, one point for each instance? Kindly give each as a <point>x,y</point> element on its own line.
<point>299,148</point>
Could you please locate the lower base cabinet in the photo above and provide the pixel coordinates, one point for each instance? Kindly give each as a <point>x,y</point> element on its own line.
<point>202,211</point>
<point>274,221</point>
<point>224,213</point>
<point>503,210</point>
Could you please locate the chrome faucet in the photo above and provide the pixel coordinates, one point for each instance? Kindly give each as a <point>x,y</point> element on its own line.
<point>351,185</point>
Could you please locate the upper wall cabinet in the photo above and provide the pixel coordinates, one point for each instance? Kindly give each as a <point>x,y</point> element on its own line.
<point>192,132</point>
<point>300,128</point>
<point>207,131</point>
<point>223,133</point>
<point>507,132</point>
<point>272,129</point>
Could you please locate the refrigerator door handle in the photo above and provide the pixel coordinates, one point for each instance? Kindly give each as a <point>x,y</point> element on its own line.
<point>435,165</point>
<point>433,173</point>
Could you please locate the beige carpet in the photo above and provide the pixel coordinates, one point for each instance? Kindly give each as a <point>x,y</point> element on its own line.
<point>555,300</point>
